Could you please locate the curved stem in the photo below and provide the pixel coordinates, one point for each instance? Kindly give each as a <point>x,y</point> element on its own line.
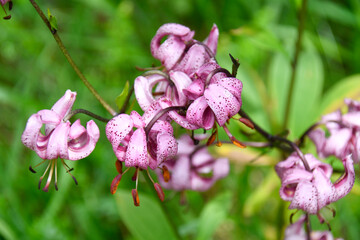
<point>215,71</point>
<point>159,115</point>
<point>86,112</point>
<point>301,28</point>
<point>70,60</point>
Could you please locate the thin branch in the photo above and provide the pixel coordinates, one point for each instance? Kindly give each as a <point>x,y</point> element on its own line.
<point>86,112</point>
<point>70,60</point>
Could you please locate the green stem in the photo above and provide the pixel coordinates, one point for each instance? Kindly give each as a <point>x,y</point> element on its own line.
<point>70,60</point>
<point>294,63</point>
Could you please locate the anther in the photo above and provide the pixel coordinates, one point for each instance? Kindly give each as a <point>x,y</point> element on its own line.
<point>211,138</point>
<point>115,183</point>
<point>118,166</point>
<point>159,191</point>
<point>247,122</point>
<point>135,196</point>
<point>166,173</point>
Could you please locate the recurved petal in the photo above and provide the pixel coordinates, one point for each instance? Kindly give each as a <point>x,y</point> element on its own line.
<point>137,119</point>
<point>136,154</point>
<point>143,92</point>
<point>222,102</point>
<point>195,89</point>
<point>181,81</point>
<point>57,146</point>
<point>171,29</point>
<point>200,114</point>
<point>32,130</point>
<point>166,148</point>
<point>352,119</point>
<point>170,51</point>
<point>324,187</point>
<point>118,128</point>
<point>345,183</point>
<point>305,198</point>
<point>337,142</point>
<point>194,58</point>
<point>64,104</point>
<point>290,180</point>
<point>212,40</point>
<point>233,85</point>
<point>82,141</point>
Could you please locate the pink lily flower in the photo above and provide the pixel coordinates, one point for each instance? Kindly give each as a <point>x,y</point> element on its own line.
<point>296,231</point>
<point>344,131</point>
<point>137,149</point>
<point>171,88</point>
<point>194,168</point>
<point>3,2</point>
<point>174,53</point>
<point>311,191</point>
<point>60,139</point>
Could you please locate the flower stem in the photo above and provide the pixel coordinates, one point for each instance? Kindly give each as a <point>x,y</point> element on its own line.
<point>86,112</point>
<point>70,60</point>
<point>294,63</point>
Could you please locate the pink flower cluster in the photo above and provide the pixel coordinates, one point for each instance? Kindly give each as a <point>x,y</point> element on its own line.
<point>344,130</point>
<point>191,78</point>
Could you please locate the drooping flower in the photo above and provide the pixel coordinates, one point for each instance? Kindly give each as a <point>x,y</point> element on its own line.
<point>312,190</point>
<point>344,132</point>
<point>296,231</point>
<point>60,138</point>
<point>140,148</point>
<point>180,51</point>
<point>194,168</point>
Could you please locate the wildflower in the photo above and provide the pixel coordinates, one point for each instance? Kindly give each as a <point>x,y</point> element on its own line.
<point>138,148</point>
<point>344,132</point>
<point>60,138</point>
<point>312,190</point>
<point>194,168</point>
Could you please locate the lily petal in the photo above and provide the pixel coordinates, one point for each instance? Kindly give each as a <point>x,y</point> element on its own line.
<point>82,141</point>
<point>199,113</point>
<point>136,154</point>
<point>345,183</point>
<point>57,146</point>
<point>212,40</point>
<point>305,197</point>
<point>63,106</point>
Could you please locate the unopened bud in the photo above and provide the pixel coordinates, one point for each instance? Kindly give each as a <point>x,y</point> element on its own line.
<point>115,183</point>
<point>159,191</point>
<point>135,196</point>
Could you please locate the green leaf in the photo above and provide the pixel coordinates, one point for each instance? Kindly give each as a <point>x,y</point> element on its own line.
<point>145,222</point>
<point>120,100</point>
<point>307,92</point>
<point>213,214</point>
<point>345,88</point>
<point>52,20</point>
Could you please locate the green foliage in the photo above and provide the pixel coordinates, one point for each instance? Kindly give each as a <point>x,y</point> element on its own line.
<point>107,39</point>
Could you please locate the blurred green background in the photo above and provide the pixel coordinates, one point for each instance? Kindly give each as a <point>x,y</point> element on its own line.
<point>107,39</point>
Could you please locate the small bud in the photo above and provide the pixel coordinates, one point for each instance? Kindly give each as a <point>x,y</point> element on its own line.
<point>118,166</point>
<point>159,191</point>
<point>114,184</point>
<point>135,196</point>
<point>166,173</point>
<point>247,122</point>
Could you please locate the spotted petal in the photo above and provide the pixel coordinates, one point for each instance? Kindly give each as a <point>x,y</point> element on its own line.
<point>199,113</point>
<point>136,154</point>
<point>345,183</point>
